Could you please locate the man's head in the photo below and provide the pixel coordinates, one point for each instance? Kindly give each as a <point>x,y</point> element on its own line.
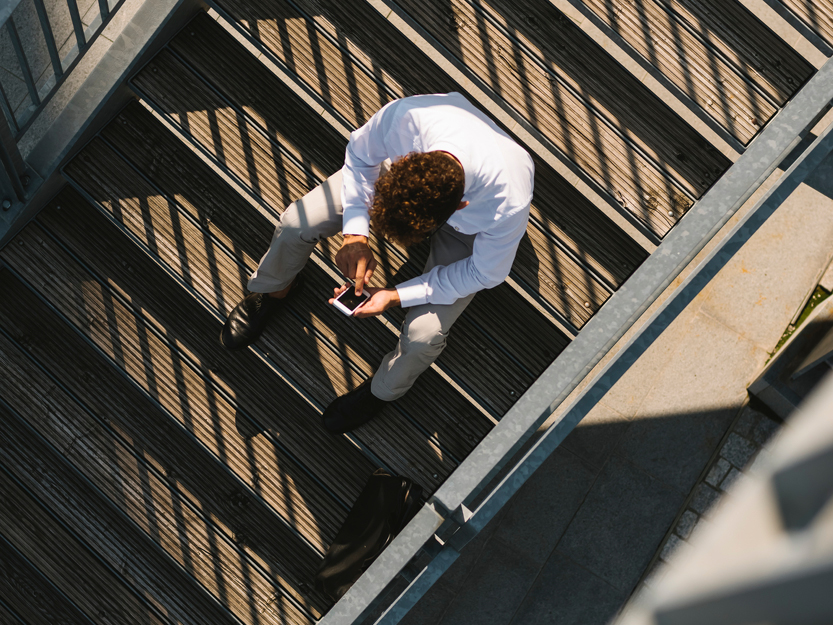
<point>417,195</point>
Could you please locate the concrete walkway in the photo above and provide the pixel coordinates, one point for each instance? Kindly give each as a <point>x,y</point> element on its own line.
<point>573,544</point>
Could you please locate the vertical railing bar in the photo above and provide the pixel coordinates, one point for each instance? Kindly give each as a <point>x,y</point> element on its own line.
<point>24,64</point>
<point>50,39</point>
<point>77,25</point>
<point>104,7</point>
<point>11,174</point>
<point>7,109</point>
<point>12,162</point>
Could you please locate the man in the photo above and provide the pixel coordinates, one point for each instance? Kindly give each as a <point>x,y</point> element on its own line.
<point>456,177</point>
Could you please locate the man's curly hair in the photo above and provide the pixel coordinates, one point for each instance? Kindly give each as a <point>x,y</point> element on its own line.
<point>416,196</point>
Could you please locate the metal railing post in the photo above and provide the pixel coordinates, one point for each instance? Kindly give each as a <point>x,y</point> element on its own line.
<point>14,179</point>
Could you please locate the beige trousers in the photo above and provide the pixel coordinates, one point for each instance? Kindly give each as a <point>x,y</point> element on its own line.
<point>317,216</point>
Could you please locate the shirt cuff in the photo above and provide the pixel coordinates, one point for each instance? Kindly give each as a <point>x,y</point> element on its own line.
<point>414,292</point>
<point>356,221</point>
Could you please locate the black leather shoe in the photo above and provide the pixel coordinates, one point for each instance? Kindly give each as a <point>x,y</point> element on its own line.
<point>352,409</point>
<point>250,317</point>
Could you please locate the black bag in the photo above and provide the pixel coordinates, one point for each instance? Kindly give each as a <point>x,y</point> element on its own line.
<point>383,508</point>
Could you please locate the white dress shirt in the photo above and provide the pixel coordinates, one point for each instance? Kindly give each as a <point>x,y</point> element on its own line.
<point>498,187</point>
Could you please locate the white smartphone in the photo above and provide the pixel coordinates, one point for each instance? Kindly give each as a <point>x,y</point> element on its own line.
<point>348,301</point>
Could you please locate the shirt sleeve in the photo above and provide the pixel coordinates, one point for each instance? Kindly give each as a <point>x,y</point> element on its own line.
<point>368,147</point>
<point>487,267</point>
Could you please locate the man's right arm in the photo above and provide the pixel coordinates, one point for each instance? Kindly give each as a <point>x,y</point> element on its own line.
<point>365,152</point>
<point>355,260</point>
<point>367,148</point>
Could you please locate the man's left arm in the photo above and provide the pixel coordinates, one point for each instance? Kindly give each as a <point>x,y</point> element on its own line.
<point>488,266</point>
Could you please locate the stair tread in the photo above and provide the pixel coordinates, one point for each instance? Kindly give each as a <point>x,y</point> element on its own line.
<point>311,516</point>
<point>159,503</point>
<point>762,56</point>
<point>723,89</point>
<point>220,63</point>
<point>55,548</point>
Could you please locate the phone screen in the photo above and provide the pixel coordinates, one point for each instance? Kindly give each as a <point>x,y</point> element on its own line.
<point>350,300</point>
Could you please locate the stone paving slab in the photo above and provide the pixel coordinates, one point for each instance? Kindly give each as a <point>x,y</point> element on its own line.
<point>567,594</point>
<point>692,403</point>
<point>597,435</point>
<point>769,280</point>
<point>623,519</point>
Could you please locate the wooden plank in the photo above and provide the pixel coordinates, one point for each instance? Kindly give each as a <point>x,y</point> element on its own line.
<point>220,65</point>
<point>204,266</point>
<point>7,617</point>
<point>93,536</point>
<point>391,259</point>
<point>30,594</point>
<point>575,113</point>
<point>200,475</point>
<point>143,494</point>
<point>181,175</point>
<point>817,14</point>
<point>690,62</point>
<point>748,43</point>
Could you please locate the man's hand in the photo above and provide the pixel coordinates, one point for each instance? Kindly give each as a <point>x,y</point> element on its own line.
<point>355,260</point>
<point>380,300</point>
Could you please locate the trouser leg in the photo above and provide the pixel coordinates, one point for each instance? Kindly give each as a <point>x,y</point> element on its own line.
<point>315,216</point>
<point>426,327</point>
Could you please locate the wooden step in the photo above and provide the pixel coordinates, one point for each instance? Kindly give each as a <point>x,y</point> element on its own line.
<point>28,594</point>
<point>59,526</point>
<point>396,264</point>
<point>749,44</point>
<point>181,246</point>
<point>143,493</point>
<point>565,266</point>
<point>816,14</point>
<point>685,55</point>
<point>497,381</point>
<point>279,544</point>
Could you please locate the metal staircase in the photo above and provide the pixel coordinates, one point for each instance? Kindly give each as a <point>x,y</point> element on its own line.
<point>150,476</point>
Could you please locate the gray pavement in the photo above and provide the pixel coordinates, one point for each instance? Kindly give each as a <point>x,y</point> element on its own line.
<point>631,482</point>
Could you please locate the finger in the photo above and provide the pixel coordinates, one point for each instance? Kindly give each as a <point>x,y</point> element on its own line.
<point>361,269</point>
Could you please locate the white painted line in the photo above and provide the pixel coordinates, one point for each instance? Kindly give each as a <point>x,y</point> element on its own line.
<point>511,119</point>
